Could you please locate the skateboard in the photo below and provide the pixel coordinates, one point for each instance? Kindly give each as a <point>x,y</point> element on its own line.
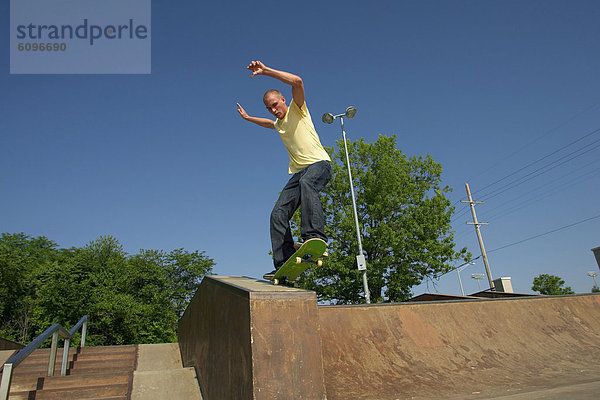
<point>307,255</point>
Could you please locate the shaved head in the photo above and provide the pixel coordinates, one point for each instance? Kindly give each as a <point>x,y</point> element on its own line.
<point>275,103</point>
<point>272,92</point>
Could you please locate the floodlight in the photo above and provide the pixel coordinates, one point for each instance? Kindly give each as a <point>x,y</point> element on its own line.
<point>350,112</point>
<point>327,118</point>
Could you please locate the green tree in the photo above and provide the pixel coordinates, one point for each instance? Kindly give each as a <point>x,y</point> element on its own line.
<point>185,271</point>
<point>595,289</point>
<point>404,219</point>
<point>21,260</point>
<point>128,298</point>
<point>550,285</point>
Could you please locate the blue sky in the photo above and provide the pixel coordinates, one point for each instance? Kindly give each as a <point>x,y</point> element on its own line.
<point>164,161</point>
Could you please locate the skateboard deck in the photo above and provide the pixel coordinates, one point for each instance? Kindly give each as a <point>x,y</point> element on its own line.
<point>306,256</point>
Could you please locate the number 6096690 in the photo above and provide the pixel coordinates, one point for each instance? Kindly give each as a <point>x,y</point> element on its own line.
<point>42,46</point>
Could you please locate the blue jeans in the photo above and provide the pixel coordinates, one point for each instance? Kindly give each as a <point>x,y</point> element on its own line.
<point>302,190</point>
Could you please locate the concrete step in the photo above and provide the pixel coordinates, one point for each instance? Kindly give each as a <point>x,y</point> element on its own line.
<point>77,368</point>
<point>173,384</point>
<point>81,362</point>
<point>28,382</point>
<point>130,348</point>
<point>108,374</point>
<point>99,370</point>
<point>42,363</point>
<point>41,353</point>
<point>80,393</point>
<point>158,357</point>
<point>109,398</point>
<point>93,373</point>
<point>93,350</point>
<point>160,375</point>
<point>117,361</point>
<point>43,358</point>
<point>5,355</point>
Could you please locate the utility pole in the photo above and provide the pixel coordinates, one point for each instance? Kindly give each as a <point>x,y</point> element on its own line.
<point>479,238</point>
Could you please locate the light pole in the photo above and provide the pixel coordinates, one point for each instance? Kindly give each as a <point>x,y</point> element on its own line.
<point>593,275</point>
<point>458,270</point>
<point>360,258</point>
<point>477,277</point>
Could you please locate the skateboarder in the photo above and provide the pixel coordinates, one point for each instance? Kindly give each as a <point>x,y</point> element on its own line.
<point>310,165</point>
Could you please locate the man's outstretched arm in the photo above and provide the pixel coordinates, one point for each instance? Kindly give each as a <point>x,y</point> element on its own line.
<point>258,68</point>
<point>265,122</point>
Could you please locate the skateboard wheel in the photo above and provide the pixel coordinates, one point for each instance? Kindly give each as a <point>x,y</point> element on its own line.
<point>275,281</point>
<point>298,260</point>
<point>319,263</point>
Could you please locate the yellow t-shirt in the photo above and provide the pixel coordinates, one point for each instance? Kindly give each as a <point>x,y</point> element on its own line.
<point>300,138</point>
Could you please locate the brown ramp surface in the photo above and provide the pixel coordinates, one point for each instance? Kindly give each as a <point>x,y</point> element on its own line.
<point>463,349</point>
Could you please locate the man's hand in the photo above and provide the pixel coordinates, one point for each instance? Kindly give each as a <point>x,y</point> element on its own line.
<point>242,111</point>
<point>257,68</point>
<point>264,122</point>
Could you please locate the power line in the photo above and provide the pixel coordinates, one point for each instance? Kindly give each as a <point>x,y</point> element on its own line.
<point>462,234</point>
<point>537,198</point>
<point>535,173</point>
<point>465,231</point>
<point>571,175</point>
<point>575,116</point>
<point>537,139</point>
<point>548,167</point>
<point>461,265</point>
<point>538,160</point>
<point>459,214</point>
<point>505,209</point>
<point>545,233</point>
<point>540,192</point>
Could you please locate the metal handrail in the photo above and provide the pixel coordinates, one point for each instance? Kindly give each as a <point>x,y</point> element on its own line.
<point>55,330</point>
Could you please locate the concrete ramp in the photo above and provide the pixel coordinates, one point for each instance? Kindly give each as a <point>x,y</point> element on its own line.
<point>248,339</point>
<point>461,349</point>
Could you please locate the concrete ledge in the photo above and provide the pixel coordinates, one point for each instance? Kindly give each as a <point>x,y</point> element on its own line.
<point>257,289</point>
<point>249,339</point>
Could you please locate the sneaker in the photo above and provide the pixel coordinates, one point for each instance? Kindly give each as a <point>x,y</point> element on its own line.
<point>270,275</point>
<point>297,245</point>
